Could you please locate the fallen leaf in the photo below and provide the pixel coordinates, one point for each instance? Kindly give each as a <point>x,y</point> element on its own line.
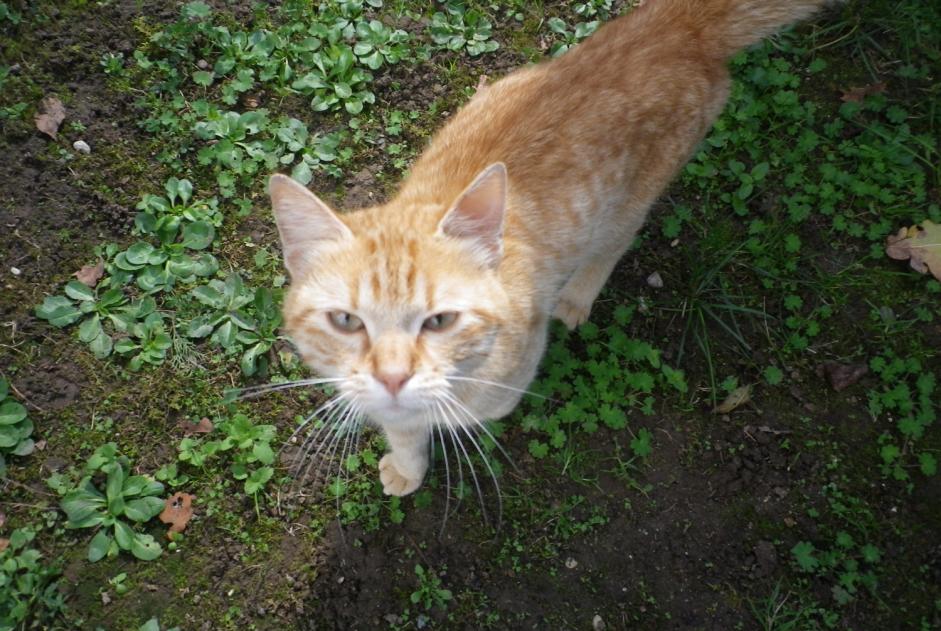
<point>4,544</point>
<point>50,116</point>
<point>177,512</point>
<point>842,376</point>
<point>91,274</point>
<point>204,426</point>
<point>921,245</point>
<point>737,398</point>
<point>856,95</point>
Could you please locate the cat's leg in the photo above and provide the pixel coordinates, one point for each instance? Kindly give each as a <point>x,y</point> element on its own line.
<point>621,222</point>
<point>402,470</point>
<point>579,293</point>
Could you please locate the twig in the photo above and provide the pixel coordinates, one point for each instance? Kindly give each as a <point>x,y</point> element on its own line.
<point>24,397</point>
<point>27,487</point>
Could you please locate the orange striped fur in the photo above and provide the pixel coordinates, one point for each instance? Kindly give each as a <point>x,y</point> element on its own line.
<point>516,212</point>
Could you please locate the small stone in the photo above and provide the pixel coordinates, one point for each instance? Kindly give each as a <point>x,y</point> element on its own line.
<point>105,598</point>
<point>81,146</point>
<point>597,623</point>
<point>202,64</point>
<point>655,280</point>
<point>571,563</point>
<point>16,271</point>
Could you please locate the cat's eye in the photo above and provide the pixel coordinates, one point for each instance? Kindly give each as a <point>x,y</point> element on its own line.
<point>345,322</point>
<point>440,321</point>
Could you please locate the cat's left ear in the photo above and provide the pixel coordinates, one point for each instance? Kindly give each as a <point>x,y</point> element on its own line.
<point>478,213</point>
<point>305,223</point>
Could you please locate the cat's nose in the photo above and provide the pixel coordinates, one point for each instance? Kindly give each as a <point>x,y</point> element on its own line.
<point>393,382</point>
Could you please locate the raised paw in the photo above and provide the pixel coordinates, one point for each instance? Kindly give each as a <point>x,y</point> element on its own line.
<point>393,482</point>
<point>571,314</point>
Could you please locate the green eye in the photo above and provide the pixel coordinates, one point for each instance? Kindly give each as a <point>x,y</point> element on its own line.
<point>440,321</point>
<point>345,322</point>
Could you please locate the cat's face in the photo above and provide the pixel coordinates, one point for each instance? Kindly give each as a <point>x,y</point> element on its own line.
<point>400,312</point>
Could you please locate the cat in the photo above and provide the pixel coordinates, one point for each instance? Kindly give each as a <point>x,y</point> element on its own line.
<point>430,312</point>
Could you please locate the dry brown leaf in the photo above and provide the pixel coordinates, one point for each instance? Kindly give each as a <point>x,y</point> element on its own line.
<point>50,116</point>
<point>737,398</point>
<point>177,512</point>
<point>91,274</point>
<point>4,544</point>
<point>921,245</point>
<point>856,95</point>
<point>204,426</point>
<point>842,376</point>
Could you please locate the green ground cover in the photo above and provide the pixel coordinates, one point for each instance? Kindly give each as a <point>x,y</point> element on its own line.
<point>804,507</point>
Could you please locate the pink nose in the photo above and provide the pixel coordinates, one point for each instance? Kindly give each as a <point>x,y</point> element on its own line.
<point>393,383</point>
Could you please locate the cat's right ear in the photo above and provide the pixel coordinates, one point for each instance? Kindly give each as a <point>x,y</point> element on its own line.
<point>305,223</point>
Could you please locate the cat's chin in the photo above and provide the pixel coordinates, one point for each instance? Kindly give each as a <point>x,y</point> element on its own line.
<point>396,412</point>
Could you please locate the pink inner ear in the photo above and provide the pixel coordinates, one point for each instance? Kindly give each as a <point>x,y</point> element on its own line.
<point>479,211</point>
<point>304,223</point>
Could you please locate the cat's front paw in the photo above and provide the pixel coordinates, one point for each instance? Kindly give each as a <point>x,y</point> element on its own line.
<point>394,482</point>
<point>571,314</point>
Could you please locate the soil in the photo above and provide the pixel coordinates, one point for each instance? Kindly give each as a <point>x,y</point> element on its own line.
<point>690,540</point>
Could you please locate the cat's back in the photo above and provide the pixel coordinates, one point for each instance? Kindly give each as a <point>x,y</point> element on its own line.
<point>573,115</point>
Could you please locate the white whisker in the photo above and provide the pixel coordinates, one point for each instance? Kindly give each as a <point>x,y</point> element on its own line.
<point>335,408</point>
<point>470,465</point>
<point>447,474</point>
<point>350,414</point>
<point>331,424</point>
<point>352,444</point>
<point>323,408</point>
<point>257,391</point>
<point>498,385</point>
<point>459,493</point>
<point>486,460</point>
<point>482,425</point>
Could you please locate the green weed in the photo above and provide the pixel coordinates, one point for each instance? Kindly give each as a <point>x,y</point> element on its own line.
<point>15,428</point>
<point>127,498</point>
<point>430,593</point>
<point>458,28</point>
<point>608,374</point>
<point>29,590</point>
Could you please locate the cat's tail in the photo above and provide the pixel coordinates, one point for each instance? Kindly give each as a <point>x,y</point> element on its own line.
<point>727,26</point>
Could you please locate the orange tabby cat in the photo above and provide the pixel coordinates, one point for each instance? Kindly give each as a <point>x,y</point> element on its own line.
<point>431,311</point>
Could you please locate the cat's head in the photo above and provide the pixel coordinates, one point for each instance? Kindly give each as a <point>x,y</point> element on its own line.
<point>399,302</point>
